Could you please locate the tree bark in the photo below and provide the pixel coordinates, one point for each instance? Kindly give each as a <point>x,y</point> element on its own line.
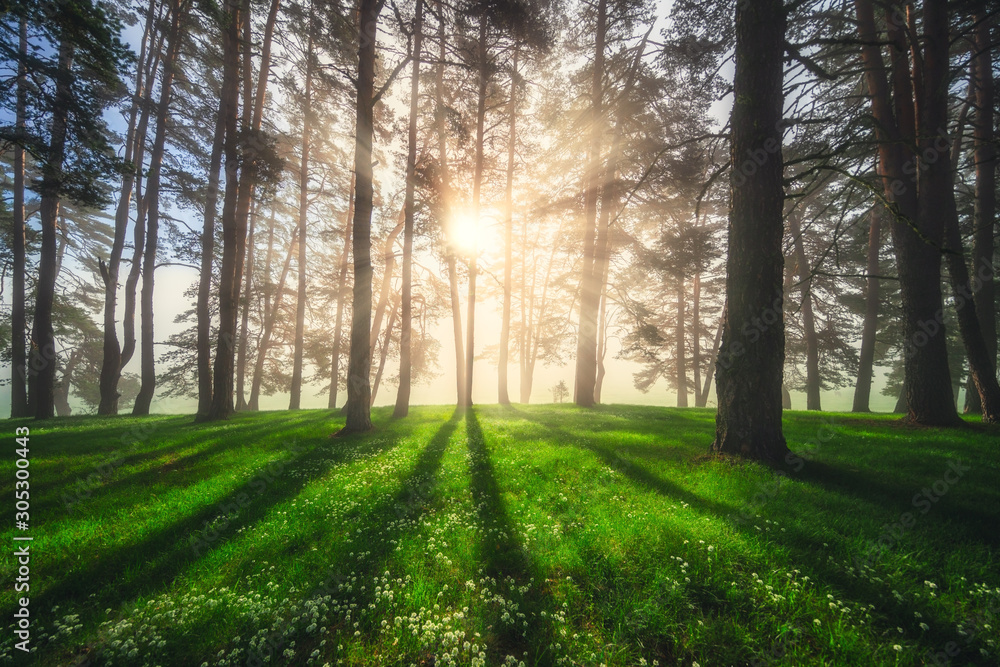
<point>477,185</point>
<point>586,346</point>
<point>18,368</point>
<point>680,361</point>
<point>450,259</point>
<point>42,371</point>
<point>389,268</point>
<point>863,386</point>
<point>222,385</point>
<point>402,407</point>
<point>937,199</point>
<point>384,348</point>
<point>916,233</point>
<point>241,353</point>
<point>141,206</point>
<point>204,315</point>
<point>609,189</point>
<point>750,368</point>
<point>61,395</point>
<point>808,318</point>
<point>236,217</point>
<point>602,341</point>
<point>295,399</point>
<point>985,206</point>
<point>508,268</point>
<point>270,317</point>
<point>148,358</point>
<point>111,361</point>
<point>341,284</point>
<point>696,339</point>
<point>703,398</point>
<point>359,368</point>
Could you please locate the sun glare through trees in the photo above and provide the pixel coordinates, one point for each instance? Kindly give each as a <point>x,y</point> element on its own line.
<point>500,332</point>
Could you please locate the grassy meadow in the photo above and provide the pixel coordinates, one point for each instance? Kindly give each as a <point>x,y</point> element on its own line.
<point>533,535</point>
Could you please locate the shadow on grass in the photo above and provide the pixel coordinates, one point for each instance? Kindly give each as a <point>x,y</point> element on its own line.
<point>505,558</point>
<point>385,525</point>
<point>801,546</point>
<point>392,519</point>
<point>975,520</point>
<point>146,567</point>
<point>111,479</point>
<point>613,459</point>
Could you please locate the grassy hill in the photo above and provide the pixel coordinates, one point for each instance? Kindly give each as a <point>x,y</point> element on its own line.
<point>538,535</point>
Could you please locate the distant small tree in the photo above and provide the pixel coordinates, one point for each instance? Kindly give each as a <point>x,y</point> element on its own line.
<point>560,392</point>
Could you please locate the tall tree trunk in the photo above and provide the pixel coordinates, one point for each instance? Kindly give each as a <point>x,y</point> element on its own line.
<point>111,360</point>
<point>915,233</point>
<point>222,385</point>
<point>43,353</point>
<point>236,222</point>
<point>508,268</point>
<point>295,399</point>
<point>141,206</point>
<point>985,207</point>
<point>808,318</point>
<point>384,349</point>
<point>982,369</point>
<point>609,199</point>
<point>341,284</point>
<point>18,368</point>
<point>523,341</point>
<point>402,407</point>
<point>863,387</point>
<point>61,395</point>
<point>749,375</point>
<point>450,258</point>
<point>602,341</point>
<point>359,368</point>
<point>703,399</point>
<point>937,199</point>
<point>696,339</point>
<point>680,362</point>
<point>204,315</point>
<point>148,358</point>
<point>241,353</point>
<point>586,346</point>
<point>270,317</point>
<point>389,268</point>
<point>477,186</point>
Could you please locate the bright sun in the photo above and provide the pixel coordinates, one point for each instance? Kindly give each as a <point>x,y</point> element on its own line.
<point>464,232</point>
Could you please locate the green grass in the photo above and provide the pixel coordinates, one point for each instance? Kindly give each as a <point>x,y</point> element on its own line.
<point>544,535</point>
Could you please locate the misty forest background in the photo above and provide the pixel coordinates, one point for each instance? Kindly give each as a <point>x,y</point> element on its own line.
<point>558,173</point>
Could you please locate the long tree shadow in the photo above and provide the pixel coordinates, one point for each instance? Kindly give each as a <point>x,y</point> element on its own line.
<point>113,479</point>
<point>146,567</point>
<point>504,558</point>
<point>801,546</point>
<point>385,525</point>
<point>388,521</point>
<point>612,458</point>
<point>974,517</point>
